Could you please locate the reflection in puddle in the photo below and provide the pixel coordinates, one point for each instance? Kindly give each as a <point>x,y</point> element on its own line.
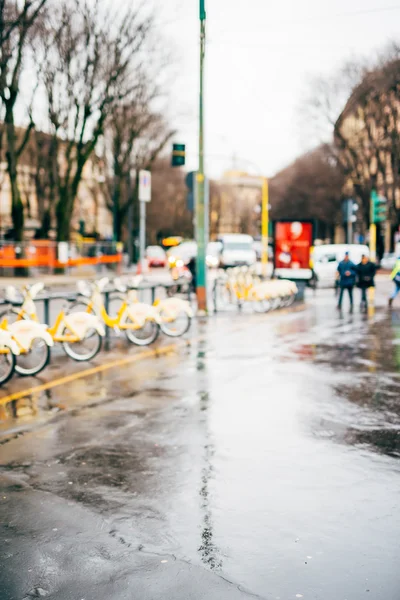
<point>209,552</point>
<point>365,370</point>
<point>386,441</point>
<point>28,408</point>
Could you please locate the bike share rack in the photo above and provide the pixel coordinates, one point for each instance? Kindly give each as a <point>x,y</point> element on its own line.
<point>46,299</point>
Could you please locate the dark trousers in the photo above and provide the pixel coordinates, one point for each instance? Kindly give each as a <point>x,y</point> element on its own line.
<point>349,288</point>
<point>364,299</point>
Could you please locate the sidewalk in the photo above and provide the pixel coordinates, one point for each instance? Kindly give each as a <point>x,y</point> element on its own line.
<point>63,281</point>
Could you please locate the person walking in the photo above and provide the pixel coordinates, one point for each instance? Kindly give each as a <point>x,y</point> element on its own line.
<point>395,276</point>
<point>346,272</point>
<point>365,279</point>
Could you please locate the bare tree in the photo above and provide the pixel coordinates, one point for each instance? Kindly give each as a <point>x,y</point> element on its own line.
<point>324,100</point>
<point>92,58</point>
<point>367,135</point>
<point>309,188</point>
<point>135,136</point>
<point>167,213</point>
<point>17,19</point>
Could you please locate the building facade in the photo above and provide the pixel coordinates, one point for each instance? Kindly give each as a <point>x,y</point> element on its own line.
<point>367,138</point>
<point>238,207</point>
<point>90,209</point>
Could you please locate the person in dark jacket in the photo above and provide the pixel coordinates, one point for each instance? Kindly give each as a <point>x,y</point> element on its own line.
<point>347,272</point>
<point>365,278</point>
<point>191,265</point>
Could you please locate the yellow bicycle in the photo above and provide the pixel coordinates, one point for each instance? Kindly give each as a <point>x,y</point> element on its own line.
<point>80,334</point>
<point>139,321</point>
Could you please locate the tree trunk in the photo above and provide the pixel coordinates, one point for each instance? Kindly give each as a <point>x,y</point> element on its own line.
<point>64,214</point>
<point>43,232</point>
<point>17,208</point>
<point>68,191</point>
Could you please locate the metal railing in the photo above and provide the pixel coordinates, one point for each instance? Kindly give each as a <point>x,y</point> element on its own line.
<point>147,292</point>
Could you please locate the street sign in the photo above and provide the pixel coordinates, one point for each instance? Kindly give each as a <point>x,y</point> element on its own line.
<point>190,181</point>
<point>144,186</point>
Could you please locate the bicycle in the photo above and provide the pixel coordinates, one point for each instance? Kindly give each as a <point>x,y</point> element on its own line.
<point>8,351</point>
<point>33,344</point>
<point>139,321</point>
<point>174,314</point>
<point>80,334</point>
<point>245,286</point>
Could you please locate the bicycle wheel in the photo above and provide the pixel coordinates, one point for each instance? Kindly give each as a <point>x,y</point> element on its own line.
<point>224,295</point>
<point>144,335</point>
<point>7,366</point>
<point>288,300</point>
<point>85,349</point>
<point>176,327</point>
<point>262,306</point>
<point>34,361</point>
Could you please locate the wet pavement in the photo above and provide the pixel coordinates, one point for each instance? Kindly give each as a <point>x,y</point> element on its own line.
<point>260,458</point>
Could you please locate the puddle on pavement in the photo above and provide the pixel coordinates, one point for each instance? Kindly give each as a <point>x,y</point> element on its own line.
<point>84,392</point>
<point>364,367</point>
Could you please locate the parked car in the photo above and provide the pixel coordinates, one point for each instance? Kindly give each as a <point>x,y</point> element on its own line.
<point>156,256</point>
<point>325,260</point>
<point>182,254</point>
<point>388,261</point>
<point>257,246</point>
<point>237,250</point>
<point>213,254</point>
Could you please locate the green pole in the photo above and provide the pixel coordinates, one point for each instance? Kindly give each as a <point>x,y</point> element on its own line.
<point>201,270</point>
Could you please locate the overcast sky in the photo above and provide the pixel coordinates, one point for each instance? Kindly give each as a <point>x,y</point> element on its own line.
<point>260,55</point>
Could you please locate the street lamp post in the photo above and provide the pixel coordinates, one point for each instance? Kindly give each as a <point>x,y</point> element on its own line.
<point>201,269</point>
<point>264,225</point>
<point>264,216</point>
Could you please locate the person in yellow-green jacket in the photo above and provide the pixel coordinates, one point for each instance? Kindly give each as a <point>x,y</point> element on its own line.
<point>395,276</point>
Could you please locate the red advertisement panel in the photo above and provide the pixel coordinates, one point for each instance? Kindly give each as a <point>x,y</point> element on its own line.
<point>293,240</point>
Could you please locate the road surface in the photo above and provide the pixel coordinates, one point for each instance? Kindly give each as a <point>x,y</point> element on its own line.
<point>257,459</point>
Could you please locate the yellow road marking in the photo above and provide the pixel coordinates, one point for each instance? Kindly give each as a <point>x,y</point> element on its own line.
<point>111,365</point>
<point>87,373</point>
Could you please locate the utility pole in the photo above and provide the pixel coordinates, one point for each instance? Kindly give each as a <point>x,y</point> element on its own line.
<point>372,226</point>
<point>201,269</point>
<point>349,221</point>
<point>372,244</point>
<point>144,197</point>
<point>132,175</point>
<point>264,225</point>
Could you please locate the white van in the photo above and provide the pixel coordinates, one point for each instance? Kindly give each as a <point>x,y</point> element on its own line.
<point>326,259</point>
<point>237,250</point>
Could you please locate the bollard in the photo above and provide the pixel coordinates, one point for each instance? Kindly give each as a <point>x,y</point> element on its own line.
<point>107,307</point>
<point>46,310</point>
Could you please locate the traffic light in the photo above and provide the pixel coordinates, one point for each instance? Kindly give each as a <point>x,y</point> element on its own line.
<point>379,208</point>
<point>349,208</point>
<point>178,155</point>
